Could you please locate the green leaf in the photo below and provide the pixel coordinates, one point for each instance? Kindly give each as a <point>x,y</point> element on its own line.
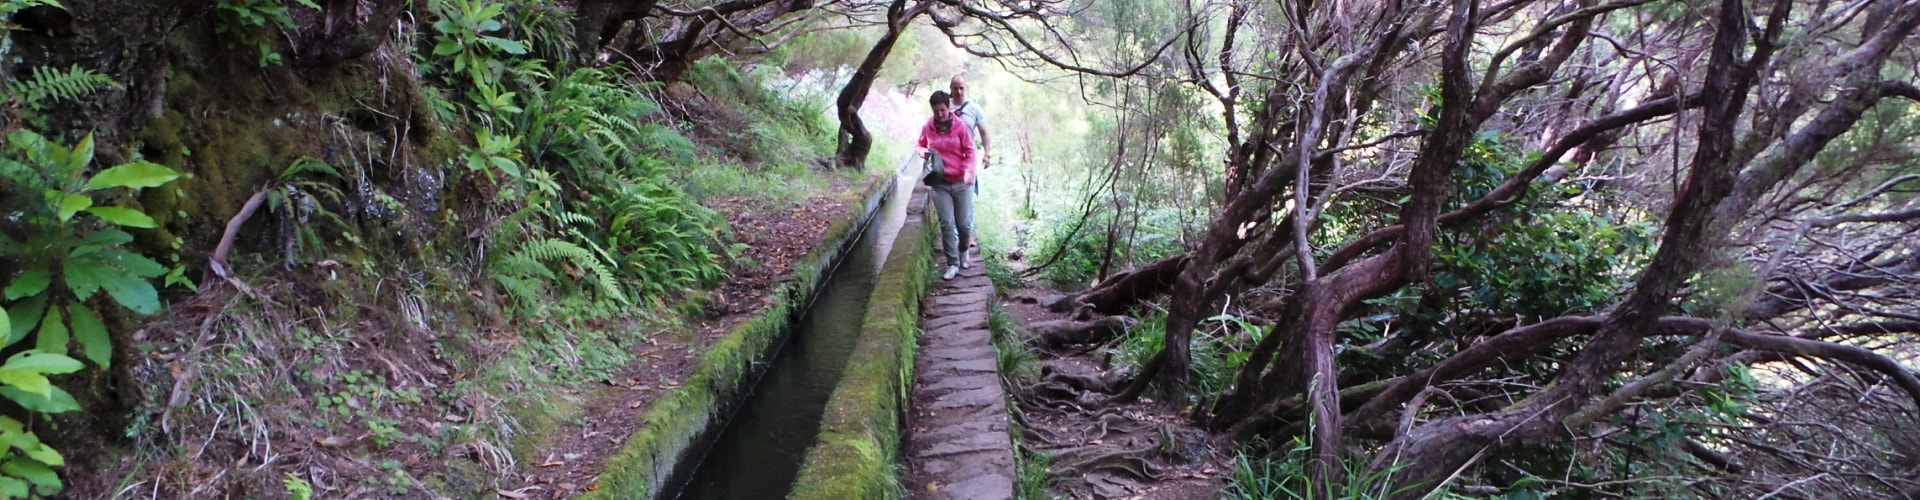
<point>25,315</point>
<point>44,480</point>
<point>505,45</point>
<point>124,216</point>
<point>27,381</point>
<point>139,174</point>
<point>57,400</point>
<point>20,173</point>
<point>77,161</point>
<point>53,334</point>
<point>138,265</point>
<point>6,324</point>
<point>73,203</point>
<point>46,454</point>
<point>84,274</point>
<point>13,488</point>
<point>446,48</point>
<point>178,276</point>
<point>100,239</point>
<point>92,334</point>
<point>42,362</point>
<point>29,283</point>
<point>134,292</point>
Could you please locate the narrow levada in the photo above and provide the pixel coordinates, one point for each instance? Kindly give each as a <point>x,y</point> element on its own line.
<point>759,452</point>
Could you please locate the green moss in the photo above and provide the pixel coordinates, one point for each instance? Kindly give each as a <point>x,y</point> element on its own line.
<point>859,438</point>
<point>678,419</point>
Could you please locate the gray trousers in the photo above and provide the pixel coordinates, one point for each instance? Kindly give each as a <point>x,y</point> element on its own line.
<point>955,203</point>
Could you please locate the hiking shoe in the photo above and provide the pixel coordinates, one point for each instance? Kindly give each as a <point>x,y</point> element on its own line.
<point>950,272</point>
<point>966,258</point>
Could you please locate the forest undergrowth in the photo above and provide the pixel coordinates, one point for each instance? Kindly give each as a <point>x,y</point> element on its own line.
<point>451,247</point>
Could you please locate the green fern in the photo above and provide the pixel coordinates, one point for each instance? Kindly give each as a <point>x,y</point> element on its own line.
<point>308,165</point>
<point>572,219</point>
<point>557,250</point>
<point>60,85</point>
<point>523,278</point>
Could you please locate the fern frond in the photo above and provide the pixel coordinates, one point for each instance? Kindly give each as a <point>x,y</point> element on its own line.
<point>61,85</point>
<point>308,165</point>
<point>571,218</point>
<point>557,250</point>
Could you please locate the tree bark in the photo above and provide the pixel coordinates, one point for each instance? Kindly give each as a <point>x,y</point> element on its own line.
<point>597,22</point>
<point>1715,196</point>
<point>855,141</point>
<point>1057,333</point>
<point>344,36</point>
<point>1120,293</point>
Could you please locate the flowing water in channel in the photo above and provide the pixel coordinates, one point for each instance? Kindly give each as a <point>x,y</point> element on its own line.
<point>759,452</point>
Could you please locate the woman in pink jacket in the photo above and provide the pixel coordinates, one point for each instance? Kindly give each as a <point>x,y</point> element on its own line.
<point>953,195</point>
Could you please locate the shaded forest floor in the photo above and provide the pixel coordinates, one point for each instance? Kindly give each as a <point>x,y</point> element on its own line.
<point>1147,449</point>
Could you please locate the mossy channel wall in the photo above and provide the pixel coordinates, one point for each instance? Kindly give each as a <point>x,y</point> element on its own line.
<point>683,421</point>
<point>854,454</point>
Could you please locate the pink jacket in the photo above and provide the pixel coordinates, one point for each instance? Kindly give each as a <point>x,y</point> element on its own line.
<point>955,148</point>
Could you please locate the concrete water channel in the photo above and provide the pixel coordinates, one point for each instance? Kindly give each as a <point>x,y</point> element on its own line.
<point>760,449</point>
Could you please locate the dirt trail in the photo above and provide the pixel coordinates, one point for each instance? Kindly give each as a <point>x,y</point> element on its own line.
<point>957,442</point>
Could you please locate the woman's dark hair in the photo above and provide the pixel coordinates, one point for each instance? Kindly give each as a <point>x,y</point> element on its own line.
<point>940,97</point>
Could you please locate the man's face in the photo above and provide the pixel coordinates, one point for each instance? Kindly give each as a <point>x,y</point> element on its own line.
<point>959,91</point>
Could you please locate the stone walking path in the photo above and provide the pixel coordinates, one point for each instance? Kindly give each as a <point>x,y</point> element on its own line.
<point>957,443</point>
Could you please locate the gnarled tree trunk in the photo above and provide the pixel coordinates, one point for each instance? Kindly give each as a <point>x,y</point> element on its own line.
<point>855,141</point>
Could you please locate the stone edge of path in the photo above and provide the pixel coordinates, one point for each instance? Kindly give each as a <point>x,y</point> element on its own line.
<point>853,455</point>
<point>957,441</point>
<point>685,417</point>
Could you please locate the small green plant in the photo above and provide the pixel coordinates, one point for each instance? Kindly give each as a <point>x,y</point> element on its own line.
<point>495,152</point>
<point>1030,470</point>
<point>296,200</point>
<point>46,84</point>
<point>1285,477</point>
<point>84,254</point>
<point>297,489</point>
<point>243,15</point>
<point>524,273</point>
<point>28,467</point>
<point>464,28</point>
<point>1016,361</point>
<point>1004,278</point>
<point>63,261</point>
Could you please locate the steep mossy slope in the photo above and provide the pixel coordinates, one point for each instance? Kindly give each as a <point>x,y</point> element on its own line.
<point>436,250</point>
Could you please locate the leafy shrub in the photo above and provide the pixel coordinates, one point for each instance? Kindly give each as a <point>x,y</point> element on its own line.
<point>63,261</point>
<point>598,206</point>
<point>464,28</point>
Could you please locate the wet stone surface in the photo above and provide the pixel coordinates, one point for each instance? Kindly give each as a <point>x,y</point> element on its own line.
<point>957,443</point>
